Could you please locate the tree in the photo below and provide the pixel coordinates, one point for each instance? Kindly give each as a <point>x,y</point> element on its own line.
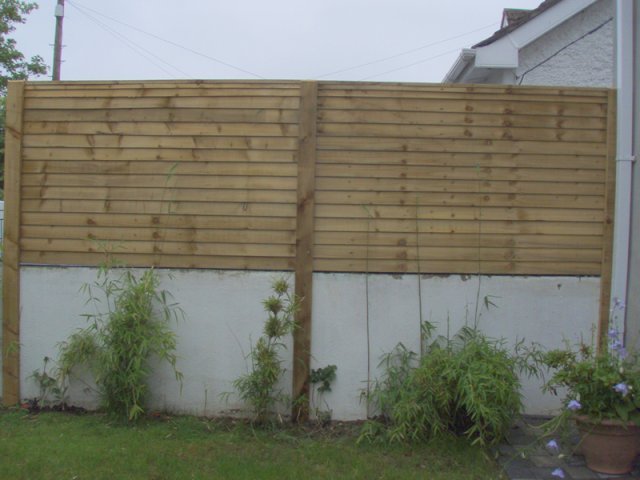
<point>13,64</point>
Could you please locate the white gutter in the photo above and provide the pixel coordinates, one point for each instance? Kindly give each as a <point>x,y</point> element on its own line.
<point>624,148</point>
<point>467,55</point>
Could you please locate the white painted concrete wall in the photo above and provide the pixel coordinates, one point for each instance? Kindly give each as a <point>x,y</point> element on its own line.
<point>356,318</point>
<point>587,63</point>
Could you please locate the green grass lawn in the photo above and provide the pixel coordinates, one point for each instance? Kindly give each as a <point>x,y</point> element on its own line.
<point>65,446</point>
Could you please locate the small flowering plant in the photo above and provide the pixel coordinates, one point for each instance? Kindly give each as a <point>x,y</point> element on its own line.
<point>602,385</point>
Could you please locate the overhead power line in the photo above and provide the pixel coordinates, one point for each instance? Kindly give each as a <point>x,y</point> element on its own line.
<point>411,64</point>
<point>140,50</point>
<point>170,42</point>
<point>406,52</point>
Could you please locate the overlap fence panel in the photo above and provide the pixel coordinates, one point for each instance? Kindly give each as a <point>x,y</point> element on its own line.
<point>450,179</point>
<point>191,175</point>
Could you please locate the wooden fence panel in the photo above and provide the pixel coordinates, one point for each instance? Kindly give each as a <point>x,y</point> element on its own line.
<point>407,178</point>
<point>184,174</point>
<point>494,180</point>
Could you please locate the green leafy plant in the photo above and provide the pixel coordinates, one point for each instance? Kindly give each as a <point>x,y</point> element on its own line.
<point>51,389</point>
<point>120,341</point>
<point>599,385</point>
<point>321,379</point>
<point>467,385</point>
<point>602,385</point>
<point>258,387</point>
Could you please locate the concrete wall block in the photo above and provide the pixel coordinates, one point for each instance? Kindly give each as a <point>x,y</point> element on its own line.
<point>356,319</point>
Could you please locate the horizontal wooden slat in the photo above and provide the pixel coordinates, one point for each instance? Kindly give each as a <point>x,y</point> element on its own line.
<point>457,213</point>
<point>260,115</point>
<point>200,235</point>
<point>171,169</point>
<point>164,128</point>
<point>482,133</point>
<point>160,181</point>
<point>322,211</point>
<point>341,171</point>
<point>141,141</point>
<point>158,154</point>
<point>409,90</point>
<point>460,173</point>
<point>452,267</point>
<point>150,91</point>
<point>160,207</point>
<point>463,159</point>
<point>167,195</point>
<point>373,117</point>
<point>489,254</point>
<point>161,220</point>
<point>454,186</point>
<point>168,261</point>
<point>411,239</point>
<point>195,84</point>
<point>420,199</point>
<point>367,199</point>
<point>459,145</point>
<point>159,247</point>
<point>160,102</point>
<point>465,106</point>
<point>485,227</point>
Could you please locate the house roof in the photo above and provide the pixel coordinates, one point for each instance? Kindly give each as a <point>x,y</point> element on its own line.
<point>512,15</point>
<point>499,54</point>
<point>515,19</point>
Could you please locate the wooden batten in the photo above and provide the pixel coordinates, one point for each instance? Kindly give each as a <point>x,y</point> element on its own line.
<point>606,264</point>
<point>11,261</point>
<point>305,248</point>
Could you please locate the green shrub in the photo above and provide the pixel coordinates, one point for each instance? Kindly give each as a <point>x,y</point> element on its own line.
<point>119,343</point>
<point>467,385</point>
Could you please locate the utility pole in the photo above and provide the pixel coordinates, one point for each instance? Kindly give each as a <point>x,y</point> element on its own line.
<point>57,46</point>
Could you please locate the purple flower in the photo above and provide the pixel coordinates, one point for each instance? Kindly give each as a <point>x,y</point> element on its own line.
<point>622,388</point>
<point>558,472</point>
<point>616,345</point>
<point>574,405</point>
<point>552,446</point>
<point>618,304</point>
<point>613,333</point>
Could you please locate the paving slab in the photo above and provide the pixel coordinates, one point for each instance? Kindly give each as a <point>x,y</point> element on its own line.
<point>524,457</point>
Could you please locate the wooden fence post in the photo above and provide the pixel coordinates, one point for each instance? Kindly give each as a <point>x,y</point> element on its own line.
<point>304,247</point>
<point>11,261</point>
<point>609,214</point>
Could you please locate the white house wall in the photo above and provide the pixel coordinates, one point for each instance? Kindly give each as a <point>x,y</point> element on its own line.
<point>356,319</point>
<point>587,63</point>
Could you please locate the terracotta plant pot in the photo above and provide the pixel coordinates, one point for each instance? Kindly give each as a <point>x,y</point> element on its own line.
<point>609,446</point>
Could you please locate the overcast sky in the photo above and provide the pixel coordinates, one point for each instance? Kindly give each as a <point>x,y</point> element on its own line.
<point>275,39</point>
